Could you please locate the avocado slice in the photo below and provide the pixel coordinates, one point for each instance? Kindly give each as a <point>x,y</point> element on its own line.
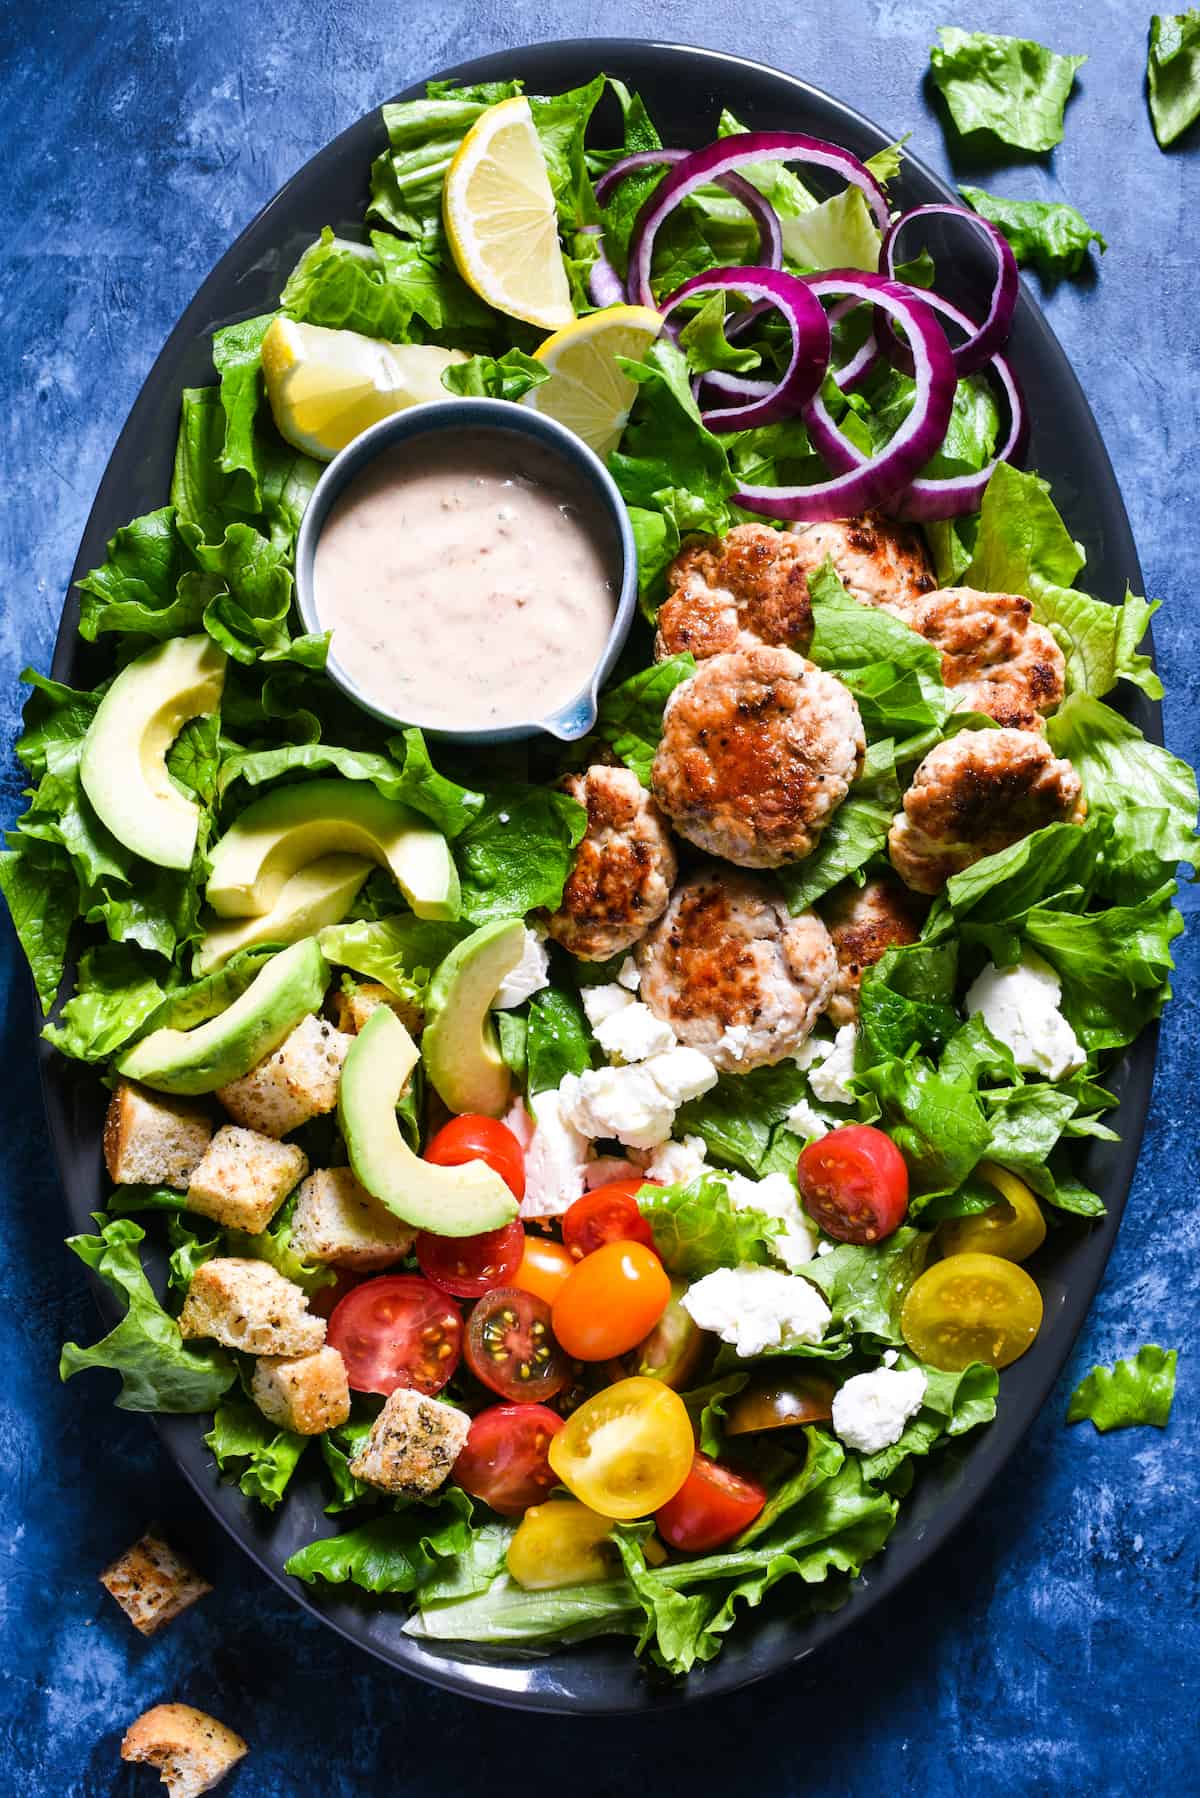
<point>288,828</point>
<point>123,766</point>
<point>284,990</point>
<point>450,1201</point>
<point>320,894</point>
<point>460,1045</point>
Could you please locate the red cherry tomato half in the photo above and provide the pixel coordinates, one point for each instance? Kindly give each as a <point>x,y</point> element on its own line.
<point>512,1348</point>
<point>607,1214</point>
<point>471,1138</point>
<point>854,1184</point>
<point>397,1330</point>
<point>469,1266</point>
<point>713,1505</point>
<point>504,1459</point>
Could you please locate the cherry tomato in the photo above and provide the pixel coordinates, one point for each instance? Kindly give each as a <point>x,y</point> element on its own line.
<point>608,1214</point>
<point>511,1346</point>
<point>562,1543</point>
<point>854,1183</point>
<point>471,1138</point>
<point>396,1330</point>
<point>613,1299</point>
<point>971,1308</point>
<point>778,1402</point>
<point>503,1460</point>
<point>626,1451</point>
<point>544,1266</point>
<point>672,1350</point>
<point>469,1266</point>
<point>1012,1228</point>
<point>713,1505</point>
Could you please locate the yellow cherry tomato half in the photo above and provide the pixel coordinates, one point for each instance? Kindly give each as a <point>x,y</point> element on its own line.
<point>613,1299</point>
<point>562,1543</point>
<point>1012,1228</point>
<point>544,1266</point>
<point>969,1308</point>
<point>626,1451</point>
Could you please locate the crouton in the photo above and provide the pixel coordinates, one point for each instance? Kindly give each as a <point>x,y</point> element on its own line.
<point>244,1178</point>
<point>305,1393</point>
<point>153,1583</point>
<point>247,1305</point>
<point>297,1082</point>
<point>192,1751</point>
<point>414,1442</point>
<point>151,1139</point>
<point>352,1009</point>
<point>339,1221</point>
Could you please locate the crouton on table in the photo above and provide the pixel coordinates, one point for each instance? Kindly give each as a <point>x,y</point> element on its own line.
<point>352,1009</point>
<point>244,1178</point>
<point>337,1220</point>
<point>152,1139</point>
<point>153,1583</point>
<point>413,1445</point>
<point>192,1751</point>
<point>298,1081</point>
<point>304,1393</point>
<point>245,1304</point>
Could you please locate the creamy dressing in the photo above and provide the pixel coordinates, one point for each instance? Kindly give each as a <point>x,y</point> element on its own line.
<point>469,581</point>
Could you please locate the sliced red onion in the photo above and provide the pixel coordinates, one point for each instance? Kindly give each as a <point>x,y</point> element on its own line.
<point>859,481</point>
<point>984,339</point>
<point>723,158</point>
<point>853,373</point>
<point>810,341</point>
<point>605,286</point>
<point>766,219</point>
<point>732,390</point>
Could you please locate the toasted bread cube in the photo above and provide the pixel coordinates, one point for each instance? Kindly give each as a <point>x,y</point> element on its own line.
<point>413,1445</point>
<point>153,1583</point>
<point>305,1393</point>
<point>244,1178</point>
<point>192,1751</point>
<point>245,1304</point>
<point>297,1082</point>
<point>352,1009</point>
<point>337,1220</point>
<point>151,1139</point>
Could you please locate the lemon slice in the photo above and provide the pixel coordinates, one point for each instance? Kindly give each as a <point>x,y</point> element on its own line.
<point>587,391</point>
<point>326,387</point>
<point>500,218</point>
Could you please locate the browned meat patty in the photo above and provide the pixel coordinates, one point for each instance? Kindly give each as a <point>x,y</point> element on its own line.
<point>624,867</point>
<point>864,923</point>
<point>995,657</point>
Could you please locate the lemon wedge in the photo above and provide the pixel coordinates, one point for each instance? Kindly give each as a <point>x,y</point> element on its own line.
<point>587,391</point>
<point>326,387</point>
<point>501,221</point>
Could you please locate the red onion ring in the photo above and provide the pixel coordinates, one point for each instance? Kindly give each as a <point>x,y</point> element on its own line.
<point>984,339</point>
<point>770,235</point>
<point>810,340</point>
<point>736,389</point>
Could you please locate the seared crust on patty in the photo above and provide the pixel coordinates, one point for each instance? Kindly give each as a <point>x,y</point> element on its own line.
<point>733,973</point>
<point>864,923</point>
<point>877,560</point>
<point>976,793</point>
<point>995,657</point>
<point>758,751</point>
<point>624,867</point>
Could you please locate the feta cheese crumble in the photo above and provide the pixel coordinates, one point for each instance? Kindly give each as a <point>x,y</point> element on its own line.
<point>555,1160</point>
<point>634,1033</point>
<point>806,1122</point>
<point>871,1410</point>
<point>735,1040</point>
<point>529,976</point>
<point>625,1104</point>
<point>1020,1006</point>
<point>775,1196</point>
<point>830,1066</point>
<point>682,1074</point>
<point>677,1163</point>
<point>757,1308</point>
<point>604,1002</point>
<point>629,974</point>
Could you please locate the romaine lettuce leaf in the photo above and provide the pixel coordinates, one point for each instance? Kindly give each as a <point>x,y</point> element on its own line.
<point>116,991</point>
<point>1115,965</point>
<point>391,1553</point>
<point>42,895</point>
<point>697,1228</point>
<point>255,1452</point>
<point>558,1040</point>
<point>866,1286</point>
<point>737,1117</point>
<point>839,233</point>
<point>517,852</point>
<point>953,1404</point>
<point>938,1126</point>
<point>506,377</point>
<point>1048,233</point>
<point>401,952</point>
<point>857,833</point>
<point>1009,86</point>
<point>1173,73</point>
<point>629,717</point>
<point>906,1001</point>
<point>410,778</point>
<point>1128,1393</point>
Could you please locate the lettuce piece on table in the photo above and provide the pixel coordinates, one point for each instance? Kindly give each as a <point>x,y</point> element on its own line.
<point>1048,233</point>
<point>1009,86</point>
<point>1128,1393</point>
<point>1173,73</point>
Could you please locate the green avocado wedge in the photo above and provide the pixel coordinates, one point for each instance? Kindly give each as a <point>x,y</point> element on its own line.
<point>292,826</point>
<point>460,1046</point>
<point>450,1201</point>
<point>123,765</point>
<point>319,895</point>
<point>283,992</point>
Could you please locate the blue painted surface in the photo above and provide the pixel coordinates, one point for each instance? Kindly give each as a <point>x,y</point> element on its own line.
<point>1051,1646</point>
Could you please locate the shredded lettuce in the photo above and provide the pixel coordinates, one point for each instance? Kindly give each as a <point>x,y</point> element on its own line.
<point>516,853</point>
<point>1129,1392</point>
<point>391,1553</point>
<point>1173,73</point>
<point>257,1453</point>
<point>1048,233</point>
<point>1009,86</point>
<point>697,1228</point>
<point>866,1287</point>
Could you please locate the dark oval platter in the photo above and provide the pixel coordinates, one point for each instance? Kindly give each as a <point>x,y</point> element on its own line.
<point>685,90</point>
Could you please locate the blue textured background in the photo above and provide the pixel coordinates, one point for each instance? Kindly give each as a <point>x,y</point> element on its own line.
<point>1051,1646</point>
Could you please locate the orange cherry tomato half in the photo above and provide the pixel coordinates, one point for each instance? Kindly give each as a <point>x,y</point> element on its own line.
<point>397,1330</point>
<point>607,1214</point>
<point>504,1460</point>
<point>713,1505</point>
<point>471,1138</point>
<point>854,1184</point>
<point>469,1266</point>
<point>544,1266</point>
<point>613,1299</point>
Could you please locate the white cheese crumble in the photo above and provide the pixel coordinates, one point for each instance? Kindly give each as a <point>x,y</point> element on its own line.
<point>677,1163</point>
<point>555,1161</point>
<point>1020,1006</point>
<point>777,1197</point>
<point>829,1076</point>
<point>735,1040</point>
<point>806,1122</point>
<point>757,1308</point>
<point>634,1033</point>
<point>604,1002</point>
<point>529,976</point>
<point>629,974</point>
<point>623,1103</point>
<point>682,1074</point>
<point>871,1410</point>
